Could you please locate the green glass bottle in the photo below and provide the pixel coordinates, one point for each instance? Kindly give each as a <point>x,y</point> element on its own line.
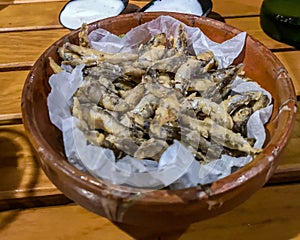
<point>280,19</point>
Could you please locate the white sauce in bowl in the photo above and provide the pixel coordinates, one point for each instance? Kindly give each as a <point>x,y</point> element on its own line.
<point>182,6</point>
<point>86,11</point>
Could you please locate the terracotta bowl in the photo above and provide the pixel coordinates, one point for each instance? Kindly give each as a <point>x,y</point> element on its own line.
<point>161,209</point>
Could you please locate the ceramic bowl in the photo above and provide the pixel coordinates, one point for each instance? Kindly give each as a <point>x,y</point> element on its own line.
<point>76,12</point>
<point>161,209</point>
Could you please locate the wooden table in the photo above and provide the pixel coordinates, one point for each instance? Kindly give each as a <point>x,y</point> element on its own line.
<point>33,208</point>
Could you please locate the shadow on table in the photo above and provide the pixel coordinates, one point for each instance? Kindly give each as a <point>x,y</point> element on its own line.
<point>10,169</point>
<point>145,233</point>
<point>15,175</point>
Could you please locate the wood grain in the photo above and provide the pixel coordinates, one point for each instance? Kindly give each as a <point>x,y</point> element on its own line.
<point>290,60</point>
<point>272,213</point>
<point>227,8</point>
<point>13,118</point>
<point>30,44</point>
<point>251,25</point>
<point>11,85</point>
<point>21,175</point>
<point>19,47</point>
<point>236,8</point>
<point>45,13</point>
<point>41,14</point>
<point>8,2</point>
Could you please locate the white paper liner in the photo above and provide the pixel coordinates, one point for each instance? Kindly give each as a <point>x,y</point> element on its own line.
<point>177,167</point>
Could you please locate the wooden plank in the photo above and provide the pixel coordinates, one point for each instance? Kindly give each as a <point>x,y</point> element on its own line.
<point>235,8</point>
<point>227,8</point>
<point>251,25</point>
<point>8,2</point>
<point>14,118</point>
<point>21,175</point>
<point>46,13</point>
<point>5,67</point>
<point>20,47</point>
<point>41,14</point>
<point>29,45</point>
<point>291,61</point>
<point>271,213</point>
<point>11,85</point>
<point>72,222</point>
<point>22,29</point>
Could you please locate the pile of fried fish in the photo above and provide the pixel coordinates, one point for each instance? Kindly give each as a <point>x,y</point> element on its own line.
<point>137,104</point>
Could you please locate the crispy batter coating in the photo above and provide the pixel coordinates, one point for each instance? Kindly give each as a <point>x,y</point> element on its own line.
<point>138,104</point>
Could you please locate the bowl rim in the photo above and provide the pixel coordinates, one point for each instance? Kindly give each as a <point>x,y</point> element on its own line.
<point>262,161</point>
